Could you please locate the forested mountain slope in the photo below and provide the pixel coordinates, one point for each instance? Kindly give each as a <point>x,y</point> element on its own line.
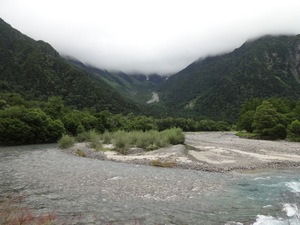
<point>35,70</point>
<point>137,87</point>
<point>216,87</point>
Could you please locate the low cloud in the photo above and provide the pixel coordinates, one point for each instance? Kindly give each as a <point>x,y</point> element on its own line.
<point>149,36</point>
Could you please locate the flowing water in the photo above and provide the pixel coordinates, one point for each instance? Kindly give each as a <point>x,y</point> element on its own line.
<point>97,192</point>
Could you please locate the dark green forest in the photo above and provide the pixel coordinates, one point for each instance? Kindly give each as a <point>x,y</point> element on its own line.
<point>37,71</point>
<point>43,95</point>
<point>217,86</point>
<point>270,119</point>
<point>31,122</point>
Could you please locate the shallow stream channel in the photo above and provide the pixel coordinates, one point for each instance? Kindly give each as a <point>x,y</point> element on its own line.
<point>90,191</point>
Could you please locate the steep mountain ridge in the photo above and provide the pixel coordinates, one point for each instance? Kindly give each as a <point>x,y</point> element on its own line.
<point>216,87</point>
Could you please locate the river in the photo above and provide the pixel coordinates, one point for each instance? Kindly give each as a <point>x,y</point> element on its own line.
<point>90,191</point>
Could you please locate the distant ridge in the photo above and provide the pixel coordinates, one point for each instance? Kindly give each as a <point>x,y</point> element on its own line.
<point>216,87</point>
<point>36,71</point>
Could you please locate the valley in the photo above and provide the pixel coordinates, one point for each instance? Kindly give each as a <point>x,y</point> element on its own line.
<point>149,113</point>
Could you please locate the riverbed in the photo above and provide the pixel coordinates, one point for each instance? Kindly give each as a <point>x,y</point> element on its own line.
<point>90,191</point>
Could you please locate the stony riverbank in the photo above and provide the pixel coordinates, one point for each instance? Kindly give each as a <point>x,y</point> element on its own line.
<point>213,151</point>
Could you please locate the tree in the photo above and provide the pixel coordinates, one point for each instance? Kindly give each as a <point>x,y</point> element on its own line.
<point>14,131</point>
<point>267,122</point>
<point>54,107</point>
<point>21,125</point>
<point>77,121</point>
<point>294,131</point>
<point>246,120</point>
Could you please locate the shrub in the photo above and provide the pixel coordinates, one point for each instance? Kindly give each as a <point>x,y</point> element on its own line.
<point>243,134</point>
<point>294,131</point>
<point>148,140</point>
<point>121,141</point>
<point>143,140</point>
<point>106,137</point>
<point>174,136</point>
<point>66,141</point>
<point>90,136</point>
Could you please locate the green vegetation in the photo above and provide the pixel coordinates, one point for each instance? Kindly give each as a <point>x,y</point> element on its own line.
<point>60,101</point>
<point>19,125</point>
<point>30,122</point>
<point>91,136</point>
<point>66,141</point>
<point>148,140</point>
<point>217,86</point>
<point>36,70</point>
<point>270,119</point>
<point>294,131</point>
<point>123,140</point>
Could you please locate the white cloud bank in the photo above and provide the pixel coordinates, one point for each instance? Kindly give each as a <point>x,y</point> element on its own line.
<point>161,36</point>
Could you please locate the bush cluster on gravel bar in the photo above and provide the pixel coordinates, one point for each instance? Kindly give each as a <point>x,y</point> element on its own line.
<point>123,140</point>
<point>148,140</point>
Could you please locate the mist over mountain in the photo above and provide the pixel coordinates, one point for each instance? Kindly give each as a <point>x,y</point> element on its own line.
<point>217,86</point>
<point>36,71</point>
<point>214,87</point>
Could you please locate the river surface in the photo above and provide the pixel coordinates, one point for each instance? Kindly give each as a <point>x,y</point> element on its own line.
<point>99,192</point>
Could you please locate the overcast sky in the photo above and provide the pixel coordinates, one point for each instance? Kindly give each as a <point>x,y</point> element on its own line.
<point>149,36</point>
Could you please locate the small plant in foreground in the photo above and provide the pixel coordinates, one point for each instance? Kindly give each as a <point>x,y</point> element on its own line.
<point>11,214</point>
<point>66,141</point>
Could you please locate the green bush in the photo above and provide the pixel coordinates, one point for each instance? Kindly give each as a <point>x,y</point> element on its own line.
<point>92,137</point>
<point>294,131</point>
<point>106,137</point>
<point>66,141</point>
<point>248,135</point>
<point>174,136</point>
<point>121,141</point>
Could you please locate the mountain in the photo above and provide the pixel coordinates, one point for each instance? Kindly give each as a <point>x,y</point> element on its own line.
<point>216,87</point>
<point>137,87</point>
<point>35,70</point>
